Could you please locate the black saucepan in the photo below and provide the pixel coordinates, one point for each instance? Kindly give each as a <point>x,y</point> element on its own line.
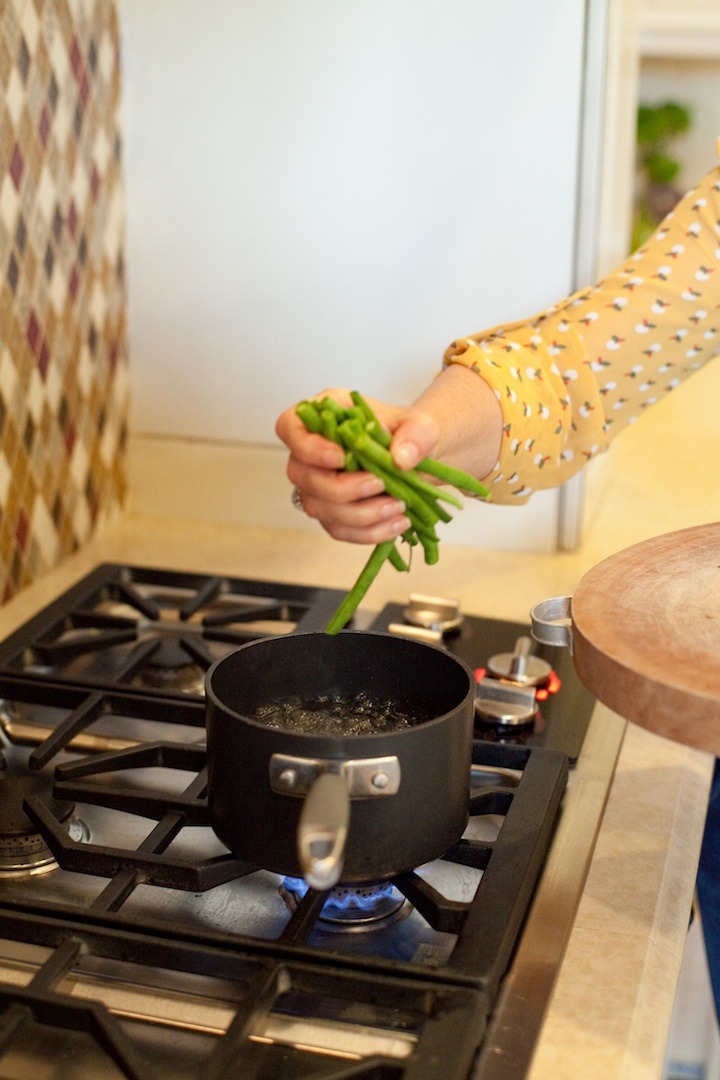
<point>329,807</point>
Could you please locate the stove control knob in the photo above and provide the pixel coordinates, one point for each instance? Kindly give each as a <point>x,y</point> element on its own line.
<point>504,704</point>
<point>520,666</point>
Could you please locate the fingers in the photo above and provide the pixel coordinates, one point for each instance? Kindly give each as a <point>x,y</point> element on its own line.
<point>373,523</point>
<point>305,446</point>
<point>349,506</point>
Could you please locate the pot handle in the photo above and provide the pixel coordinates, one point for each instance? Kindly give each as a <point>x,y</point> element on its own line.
<point>551,622</point>
<point>322,831</point>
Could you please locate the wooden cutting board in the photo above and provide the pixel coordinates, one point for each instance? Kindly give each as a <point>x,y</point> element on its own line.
<point>646,635</point>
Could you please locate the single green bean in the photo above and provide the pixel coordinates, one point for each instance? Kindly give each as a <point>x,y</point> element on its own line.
<point>310,416</point>
<point>330,403</point>
<point>450,475</point>
<point>396,560</point>
<point>378,433</point>
<point>431,549</point>
<point>360,403</point>
<point>329,423</point>
<point>365,579</point>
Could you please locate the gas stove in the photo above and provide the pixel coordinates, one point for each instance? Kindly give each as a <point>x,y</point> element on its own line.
<point>133,944</point>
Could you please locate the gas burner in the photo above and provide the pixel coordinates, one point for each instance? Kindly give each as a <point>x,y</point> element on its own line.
<point>520,666</point>
<point>170,668</point>
<point>23,850</point>
<point>350,907</point>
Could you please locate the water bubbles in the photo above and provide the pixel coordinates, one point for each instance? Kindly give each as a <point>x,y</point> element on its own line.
<point>330,715</point>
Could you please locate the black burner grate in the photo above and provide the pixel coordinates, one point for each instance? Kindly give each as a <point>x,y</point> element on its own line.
<point>156,631</point>
<point>299,962</point>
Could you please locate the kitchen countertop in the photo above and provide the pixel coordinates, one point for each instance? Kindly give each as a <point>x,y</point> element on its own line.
<point>612,1004</point>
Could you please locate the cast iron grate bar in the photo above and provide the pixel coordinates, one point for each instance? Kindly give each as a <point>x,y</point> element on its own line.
<point>57,965</point>
<point>439,1014</point>
<point>190,804</point>
<point>492,801</point>
<point>153,868</point>
<point>64,650</point>
<point>197,650</point>
<point>131,596</point>
<point>205,594</point>
<point>537,799</point>
<point>303,919</point>
<point>116,892</point>
<point>444,915</point>
<point>14,1018</point>
<point>73,724</point>
<point>138,657</point>
<point>230,1052</point>
<point>261,610</point>
<point>84,707</point>
<point>474,853</point>
<point>59,1011</point>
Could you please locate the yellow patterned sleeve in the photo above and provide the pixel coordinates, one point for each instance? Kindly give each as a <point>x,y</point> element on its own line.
<point>569,379</point>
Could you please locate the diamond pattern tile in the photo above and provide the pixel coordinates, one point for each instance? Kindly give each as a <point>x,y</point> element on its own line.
<point>64,383</point>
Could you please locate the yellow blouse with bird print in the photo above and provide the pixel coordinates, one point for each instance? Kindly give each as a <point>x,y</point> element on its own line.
<point>573,376</point>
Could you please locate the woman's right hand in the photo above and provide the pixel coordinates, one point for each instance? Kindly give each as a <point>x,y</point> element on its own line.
<point>353,506</point>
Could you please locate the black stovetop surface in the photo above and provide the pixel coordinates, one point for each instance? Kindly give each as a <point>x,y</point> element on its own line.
<point>158,893</point>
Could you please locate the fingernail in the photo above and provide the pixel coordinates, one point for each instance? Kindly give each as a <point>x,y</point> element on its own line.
<point>392,509</point>
<point>406,455</point>
<point>400,526</point>
<point>372,486</point>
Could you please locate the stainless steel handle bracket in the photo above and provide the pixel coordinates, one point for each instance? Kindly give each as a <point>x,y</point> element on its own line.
<point>551,622</point>
<point>364,777</point>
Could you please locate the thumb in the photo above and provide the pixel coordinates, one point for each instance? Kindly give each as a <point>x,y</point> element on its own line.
<point>414,439</point>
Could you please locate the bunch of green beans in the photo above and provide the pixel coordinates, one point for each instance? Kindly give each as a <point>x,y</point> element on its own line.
<point>366,443</point>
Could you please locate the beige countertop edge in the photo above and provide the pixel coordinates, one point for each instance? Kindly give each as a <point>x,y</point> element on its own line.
<point>610,1011</point>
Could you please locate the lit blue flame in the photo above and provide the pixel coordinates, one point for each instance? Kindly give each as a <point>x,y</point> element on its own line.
<point>345,898</point>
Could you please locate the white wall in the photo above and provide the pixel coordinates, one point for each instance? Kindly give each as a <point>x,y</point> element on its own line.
<point>328,191</point>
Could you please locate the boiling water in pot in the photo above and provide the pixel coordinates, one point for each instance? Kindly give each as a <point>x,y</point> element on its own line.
<point>330,715</point>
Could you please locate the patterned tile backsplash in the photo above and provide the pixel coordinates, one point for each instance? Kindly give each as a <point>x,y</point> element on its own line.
<point>64,382</point>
